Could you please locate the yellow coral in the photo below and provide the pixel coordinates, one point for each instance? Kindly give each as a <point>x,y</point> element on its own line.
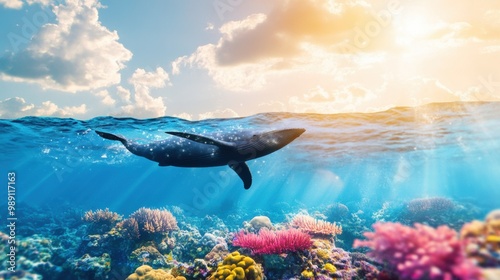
<point>237,267</point>
<point>330,268</point>
<point>323,254</point>
<point>307,274</point>
<point>145,272</point>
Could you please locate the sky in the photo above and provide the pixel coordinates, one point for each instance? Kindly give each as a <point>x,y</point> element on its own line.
<point>231,58</point>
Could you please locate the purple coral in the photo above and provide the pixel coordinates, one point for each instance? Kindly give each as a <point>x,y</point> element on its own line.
<point>421,252</point>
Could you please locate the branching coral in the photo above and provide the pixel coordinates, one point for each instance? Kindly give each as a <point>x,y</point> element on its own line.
<point>101,221</point>
<point>154,220</point>
<point>315,227</point>
<point>273,242</point>
<point>421,252</point>
<point>146,223</point>
<point>131,228</point>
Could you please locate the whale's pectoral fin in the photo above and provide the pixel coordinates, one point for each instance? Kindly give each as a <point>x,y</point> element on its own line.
<point>241,168</point>
<point>110,136</point>
<point>202,139</point>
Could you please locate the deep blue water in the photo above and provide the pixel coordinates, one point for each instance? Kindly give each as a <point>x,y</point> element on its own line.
<point>450,150</point>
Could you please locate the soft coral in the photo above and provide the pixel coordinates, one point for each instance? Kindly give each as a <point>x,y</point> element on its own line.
<point>421,252</point>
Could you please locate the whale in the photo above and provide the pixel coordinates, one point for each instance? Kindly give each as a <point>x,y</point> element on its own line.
<point>185,149</point>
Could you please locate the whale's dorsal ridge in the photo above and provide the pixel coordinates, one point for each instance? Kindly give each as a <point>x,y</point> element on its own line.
<point>203,139</point>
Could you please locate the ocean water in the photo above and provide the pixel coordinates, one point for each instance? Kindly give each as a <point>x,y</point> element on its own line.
<point>363,161</point>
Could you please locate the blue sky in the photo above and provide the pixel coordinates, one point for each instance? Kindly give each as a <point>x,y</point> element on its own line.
<point>229,58</point>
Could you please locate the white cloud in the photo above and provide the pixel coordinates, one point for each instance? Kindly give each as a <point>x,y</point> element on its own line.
<point>42,2</point>
<point>219,113</point>
<point>143,104</point>
<point>272,106</point>
<point>155,79</point>
<point>252,50</point>
<point>239,78</point>
<point>106,98</point>
<point>478,93</point>
<point>12,4</point>
<point>74,54</point>
<point>14,107</point>
<point>17,107</point>
<point>18,4</point>
<point>184,116</point>
<point>210,26</point>
<point>224,113</point>
<point>48,108</point>
<point>123,93</point>
<point>319,100</point>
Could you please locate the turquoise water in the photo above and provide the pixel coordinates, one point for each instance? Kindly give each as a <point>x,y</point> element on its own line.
<point>365,161</point>
<point>437,150</point>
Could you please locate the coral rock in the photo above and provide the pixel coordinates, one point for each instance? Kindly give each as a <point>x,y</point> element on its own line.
<point>237,267</point>
<point>145,272</point>
<point>259,222</point>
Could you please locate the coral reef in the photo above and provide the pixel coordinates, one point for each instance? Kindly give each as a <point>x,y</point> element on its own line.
<point>258,222</point>
<point>337,211</point>
<point>197,269</point>
<point>186,244</point>
<point>217,254</point>
<point>433,211</point>
<point>273,242</point>
<point>421,252</point>
<point>39,255</point>
<point>148,255</point>
<point>101,221</point>
<point>430,205</point>
<point>237,267</point>
<point>482,240</point>
<point>88,267</point>
<point>149,224</point>
<point>145,272</point>
<point>315,227</point>
<point>100,246</point>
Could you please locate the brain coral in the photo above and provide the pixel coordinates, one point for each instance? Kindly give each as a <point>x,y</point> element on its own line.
<point>237,267</point>
<point>259,222</point>
<point>144,272</point>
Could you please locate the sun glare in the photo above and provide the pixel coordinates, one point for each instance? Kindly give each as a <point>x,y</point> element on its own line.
<point>412,28</point>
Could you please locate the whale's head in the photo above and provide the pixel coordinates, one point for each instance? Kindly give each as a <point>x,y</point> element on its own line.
<point>265,143</point>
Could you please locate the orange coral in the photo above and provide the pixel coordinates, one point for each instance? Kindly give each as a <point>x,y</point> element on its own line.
<point>314,226</point>
<point>101,221</point>
<point>154,220</point>
<point>147,223</point>
<point>101,216</point>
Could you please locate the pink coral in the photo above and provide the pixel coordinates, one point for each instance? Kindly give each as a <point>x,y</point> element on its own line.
<point>273,242</point>
<point>421,252</point>
<point>313,226</point>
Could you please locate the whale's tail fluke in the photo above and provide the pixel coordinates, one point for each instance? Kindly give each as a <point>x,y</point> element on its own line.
<point>110,136</point>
